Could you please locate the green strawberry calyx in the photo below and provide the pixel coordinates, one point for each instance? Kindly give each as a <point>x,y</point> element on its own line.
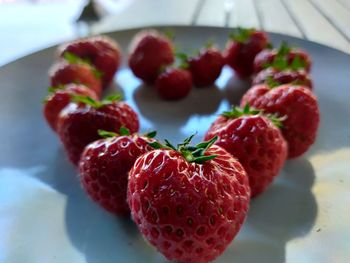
<point>51,90</point>
<point>237,112</point>
<point>241,35</point>
<point>123,131</point>
<point>281,62</point>
<point>74,59</point>
<point>181,60</point>
<point>191,153</point>
<point>94,103</point>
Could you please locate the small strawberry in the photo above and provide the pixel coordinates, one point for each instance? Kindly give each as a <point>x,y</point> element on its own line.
<point>299,107</point>
<point>78,124</point>
<point>242,49</point>
<point>105,164</point>
<point>101,51</point>
<point>284,55</point>
<point>149,53</point>
<point>59,97</point>
<point>190,201</point>
<point>206,66</point>
<point>255,140</point>
<point>174,83</point>
<point>73,70</point>
<point>276,77</point>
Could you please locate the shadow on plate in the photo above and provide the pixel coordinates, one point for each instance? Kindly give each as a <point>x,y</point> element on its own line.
<point>235,88</point>
<point>99,235</point>
<point>287,210</point>
<point>167,117</point>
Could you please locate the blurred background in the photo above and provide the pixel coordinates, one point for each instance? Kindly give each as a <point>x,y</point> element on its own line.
<point>30,25</point>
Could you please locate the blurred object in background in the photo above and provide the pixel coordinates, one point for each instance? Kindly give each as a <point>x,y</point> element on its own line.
<point>30,25</point>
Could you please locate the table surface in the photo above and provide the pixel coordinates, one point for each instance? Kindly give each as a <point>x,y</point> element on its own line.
<point>27,26</point>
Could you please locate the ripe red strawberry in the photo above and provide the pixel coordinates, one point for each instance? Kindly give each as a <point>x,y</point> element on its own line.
<point>64,72</point>
<point>255,140</point>
<point>59,98</point>
<point>242,49</point>
<point>101,51</point>
<point>298,104</point>
<point>188,202</point>
<point>105,164</point>
<point>284,54</point>
<point>206,66</point>
<point>174,83</point>
<point>77,125</point>
<point>149,53</point>
<point>276,77</point>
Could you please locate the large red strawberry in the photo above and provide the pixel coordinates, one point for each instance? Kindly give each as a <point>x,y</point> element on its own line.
<point>78,124</point>
<point>59,97</point>
<point>174,83</point>
<point>242,48</point>
<point>189,202</point>
<point>206,66</point>
<point>105,164</point>
<point>284,54</point>
<point>255,140</point>
<point>149,52</point>
<point>66,72</point>
<point>276,77</point>
<point>297,104</point>
<point>101,51</point>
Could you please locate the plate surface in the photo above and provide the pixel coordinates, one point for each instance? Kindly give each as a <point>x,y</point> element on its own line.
<point>46,217</point>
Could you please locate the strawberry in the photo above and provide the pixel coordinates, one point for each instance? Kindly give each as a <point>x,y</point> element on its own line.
<point>67,71</point>
<point>105,164</point>
<point>59,97</point>
<point>149,53</point>
<point>241,50</point>
<point>101,51</point>
<point>299,107</point>
<point>255,140</point>
<point>174,83</point>
<point>206,66</point>
<point>276,77</point>
<point>78,124</point>
<point>285,55</point>
<point>190,201</point>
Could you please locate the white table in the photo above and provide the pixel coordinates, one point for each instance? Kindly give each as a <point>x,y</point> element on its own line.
<point>26,26</point>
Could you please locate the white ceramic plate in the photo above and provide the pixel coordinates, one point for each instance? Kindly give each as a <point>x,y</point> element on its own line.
<point>46,217</point>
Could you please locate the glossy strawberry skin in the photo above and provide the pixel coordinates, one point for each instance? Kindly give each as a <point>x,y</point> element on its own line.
<point>174,84</point>
<point>240,56</point>
<point>190,212</point>
<point>257,144</point>
<point>104,168</point>
<point>62,73</point>
<point>57,101</point>
<point>206,67</point>
<point>103,52</point>
<point>266,57</point>
<point>297,77</point>
<point>78,125</point>
<point>149,53</point>
<point>298,104</point>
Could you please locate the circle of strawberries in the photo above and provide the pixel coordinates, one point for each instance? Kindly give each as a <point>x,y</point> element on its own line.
<point>189,201</point>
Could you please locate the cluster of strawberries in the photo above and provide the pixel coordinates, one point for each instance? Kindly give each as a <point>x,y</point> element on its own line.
<point>153,59</point>
<point>189,201</point>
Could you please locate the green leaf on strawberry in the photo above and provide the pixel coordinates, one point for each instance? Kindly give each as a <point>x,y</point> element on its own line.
<point>241,35</point>
<point>237,112</point>
<point>74,59</point>
<point>190,153</point>
<point>94,103</point>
